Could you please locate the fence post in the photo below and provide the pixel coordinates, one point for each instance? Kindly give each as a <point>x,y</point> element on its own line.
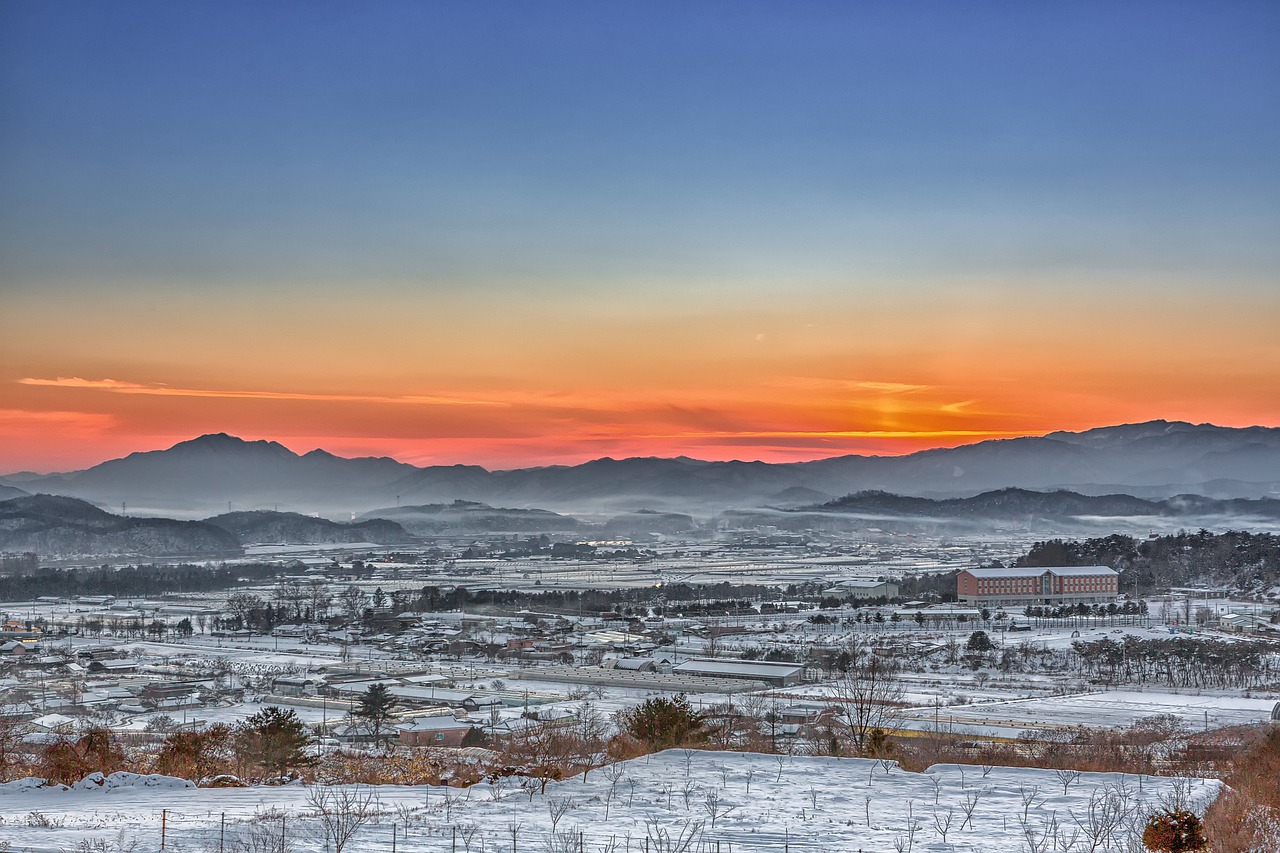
<point>164,820</point>
<point>393,838</point>
<point>222,834</point>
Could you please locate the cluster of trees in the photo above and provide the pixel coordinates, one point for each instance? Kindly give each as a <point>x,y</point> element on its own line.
<point>1096,611</point>
<point>290,601</point>
<point>123,581</point>
<point>1180,661</point>
<point>270,744</point>
<point>24,563</point>
<point>1237,558</point>
<point>126,627</point>
<point>721,595</point>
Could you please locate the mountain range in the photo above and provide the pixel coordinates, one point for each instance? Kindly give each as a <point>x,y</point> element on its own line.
<point>52,525</point>
<point>1153,460</point>
<point>1022,503</point>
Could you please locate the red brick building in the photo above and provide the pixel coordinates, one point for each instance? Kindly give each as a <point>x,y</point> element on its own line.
<point>1046,585</point>
<point>441,730</point>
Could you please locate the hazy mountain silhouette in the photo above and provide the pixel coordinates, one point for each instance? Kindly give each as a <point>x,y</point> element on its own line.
<point>50,524</point>
<point>473,517</point>
<point>1014,503</point>
<point>1152,460</point>
<point>8,492</point>
<point>268,527</point>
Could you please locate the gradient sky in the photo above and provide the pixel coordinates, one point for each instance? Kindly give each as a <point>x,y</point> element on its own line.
<point>530,233</point>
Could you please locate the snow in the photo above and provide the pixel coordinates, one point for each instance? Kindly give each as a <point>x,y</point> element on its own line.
<point>762,803</point>
<point>97,782</point>
<point>1113,708</point>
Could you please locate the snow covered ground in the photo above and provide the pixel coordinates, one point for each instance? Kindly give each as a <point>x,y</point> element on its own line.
<point>725,801</point>
<point>1112,708</point>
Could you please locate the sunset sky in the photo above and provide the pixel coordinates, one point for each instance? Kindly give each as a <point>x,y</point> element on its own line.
<point>522,233</point>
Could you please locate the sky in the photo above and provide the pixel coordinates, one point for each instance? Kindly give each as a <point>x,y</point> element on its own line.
<point>514,234</point>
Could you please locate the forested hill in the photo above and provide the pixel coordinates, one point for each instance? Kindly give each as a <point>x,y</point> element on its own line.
<point>262,526</point>
<point>48,524</point>
<point>1248,561</point>
<point>1025,503</point>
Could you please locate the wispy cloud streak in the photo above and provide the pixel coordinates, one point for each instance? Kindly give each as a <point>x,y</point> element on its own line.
<point>118,387</point>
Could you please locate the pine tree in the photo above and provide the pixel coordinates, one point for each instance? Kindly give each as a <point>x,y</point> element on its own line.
<point>274,739</point>
<point>661,723</point>
<point>376,708</point>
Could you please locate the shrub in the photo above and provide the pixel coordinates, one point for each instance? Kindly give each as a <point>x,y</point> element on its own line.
<point>273,739</point>
<point>1174,831</point>
<point>661,723</point>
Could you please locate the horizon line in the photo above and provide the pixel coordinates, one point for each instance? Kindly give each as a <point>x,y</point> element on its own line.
<point>1010,435</point>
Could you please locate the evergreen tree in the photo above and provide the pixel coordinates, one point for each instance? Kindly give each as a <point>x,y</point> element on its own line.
<point>979,642</point>
<point>274,739</point>
<point>662,723</point>
<point>376,707</point>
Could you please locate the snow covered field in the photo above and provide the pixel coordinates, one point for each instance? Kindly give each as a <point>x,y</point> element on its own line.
<point>724,801</point>
<point>1114,708</point>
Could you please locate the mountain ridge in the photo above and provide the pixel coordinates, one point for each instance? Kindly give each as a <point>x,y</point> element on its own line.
<point>1154,460</point>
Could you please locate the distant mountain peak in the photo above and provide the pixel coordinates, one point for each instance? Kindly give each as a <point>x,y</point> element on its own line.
<point>221,442</point>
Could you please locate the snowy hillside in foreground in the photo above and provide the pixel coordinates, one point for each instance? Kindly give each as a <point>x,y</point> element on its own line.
<point>761,803</point>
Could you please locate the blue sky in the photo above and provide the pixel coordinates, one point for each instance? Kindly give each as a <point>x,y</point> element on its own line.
<point>573,141</point>
<point>580,162</point>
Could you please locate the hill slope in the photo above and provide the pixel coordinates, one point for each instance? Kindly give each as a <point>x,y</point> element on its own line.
<point>473,517</point>
<point>50,525</point>
<point>264,526</point>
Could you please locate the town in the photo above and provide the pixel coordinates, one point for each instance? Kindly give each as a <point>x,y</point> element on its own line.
<point>457,662</point>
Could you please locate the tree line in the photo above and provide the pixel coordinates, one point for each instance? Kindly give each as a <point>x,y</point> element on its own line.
<point>128,581</point>
<point>1236,558</point>
<point>1180,661</point>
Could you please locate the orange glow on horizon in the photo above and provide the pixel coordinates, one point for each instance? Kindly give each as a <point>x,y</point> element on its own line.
<point>559,381</point>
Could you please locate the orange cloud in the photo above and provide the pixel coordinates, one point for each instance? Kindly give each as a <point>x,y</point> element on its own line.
<point>118,387</point>
<point>15,422</point>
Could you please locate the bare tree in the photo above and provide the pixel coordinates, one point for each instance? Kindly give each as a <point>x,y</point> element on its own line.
<point>320,599</point>
<point>1029,797</point>
<point>352,600</point>
<point>868,694</point>
<point>1103,817</point>
<point>589,731</point>
<point>242,603</point>
<point>565,841</point>
<point>558,807</point>
<point>10,742</point>
<point>661,840</point>
<point>1038,838</point>
<point>265,834</point>
<point>614,773</point>
<point>1066,778</point>
<point>943,824</point>
<point>968,805</point>
<point>714,807</point>
<point>466,832</point>
<point>342,811</point>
